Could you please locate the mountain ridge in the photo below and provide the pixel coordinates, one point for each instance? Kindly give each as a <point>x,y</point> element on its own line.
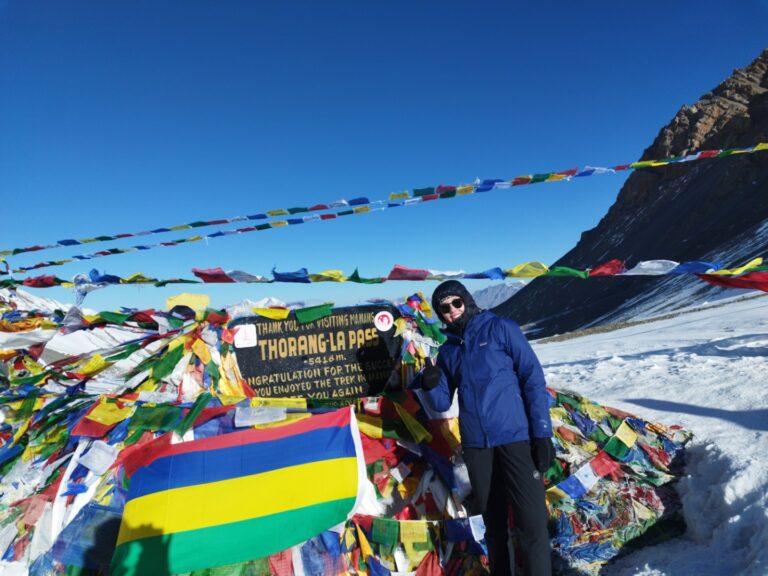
<point>708,210</point>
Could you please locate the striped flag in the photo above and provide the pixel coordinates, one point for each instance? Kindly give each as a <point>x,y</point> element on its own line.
<point>239,496</point>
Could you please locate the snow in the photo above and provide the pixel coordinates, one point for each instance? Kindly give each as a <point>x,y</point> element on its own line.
<point>704,370</point>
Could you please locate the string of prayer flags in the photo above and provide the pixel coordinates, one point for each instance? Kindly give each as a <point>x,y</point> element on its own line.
<point>360,205</point>
<point>612,268</point>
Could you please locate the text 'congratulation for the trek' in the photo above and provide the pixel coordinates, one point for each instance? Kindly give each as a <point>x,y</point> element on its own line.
<point>350,353</point>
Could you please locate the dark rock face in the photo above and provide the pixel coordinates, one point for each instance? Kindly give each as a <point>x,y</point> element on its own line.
<point>711,210</point>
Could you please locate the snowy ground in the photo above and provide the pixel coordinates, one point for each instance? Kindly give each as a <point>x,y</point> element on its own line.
<point>707,371</point>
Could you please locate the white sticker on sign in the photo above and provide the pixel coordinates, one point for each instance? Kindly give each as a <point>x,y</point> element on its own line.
<point>383,321</point>
<point>245,337</point>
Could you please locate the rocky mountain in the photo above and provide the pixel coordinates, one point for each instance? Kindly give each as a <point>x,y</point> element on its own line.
<point>711,210</point>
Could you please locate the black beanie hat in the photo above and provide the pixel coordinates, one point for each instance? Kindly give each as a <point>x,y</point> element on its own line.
<point>454,288</point>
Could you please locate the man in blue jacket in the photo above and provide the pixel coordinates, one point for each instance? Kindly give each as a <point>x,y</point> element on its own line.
<point>504,422</point>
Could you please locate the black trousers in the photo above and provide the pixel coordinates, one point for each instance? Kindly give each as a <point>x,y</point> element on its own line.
<point>507,474</point>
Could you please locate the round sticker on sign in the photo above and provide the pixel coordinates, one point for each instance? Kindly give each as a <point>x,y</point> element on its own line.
<point>383,321</point>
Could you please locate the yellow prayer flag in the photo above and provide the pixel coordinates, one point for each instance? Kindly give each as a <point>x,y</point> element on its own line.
<point>273,313</point>
<point>425,307</point>
<point>361,209</point>
<point>138,278</point>
<point>595,412</point>
<point>642,164</point>
<point>554,494</point>
<point>414,531</point>
<point>527,270</point>
<point>761,146</point>
<point>463,190</point>
<point>177,341</point>
<point>95,364</point>
<point>228,400</point>
<point>280,212</point>
<point>180,227</point>
<point>278,223</point>
<point>297,403</point>
<point>414,534</point>
<point>200,349</point>
<point>388,488</point>
<point>408,487</point>
<point>642,513</point>
<point>416,430</point>
<point>32,366</point>
<point>626,434</point>
<point>371,426</point>
<point>365,547</point>
<point>194,301</point>
<point>400,325</point>
<point>109,413</point>
<point>328,276</point>
<point>555,177</point>
<point>450,430</point>
<point>740,270</point>
<point>399,195</point>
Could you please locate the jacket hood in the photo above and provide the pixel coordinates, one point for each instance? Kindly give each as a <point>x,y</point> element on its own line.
<point>455,288</point>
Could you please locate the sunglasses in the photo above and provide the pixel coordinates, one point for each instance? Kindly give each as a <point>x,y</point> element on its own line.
<point>457,303</point>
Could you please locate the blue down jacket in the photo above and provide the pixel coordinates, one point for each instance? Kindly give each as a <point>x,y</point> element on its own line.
<point>502,392</point>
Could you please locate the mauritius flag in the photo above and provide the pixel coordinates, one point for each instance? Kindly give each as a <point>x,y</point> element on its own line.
<point>238,496</point>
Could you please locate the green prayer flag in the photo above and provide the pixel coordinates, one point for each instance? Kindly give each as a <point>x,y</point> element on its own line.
<point>423,191</point>
<point>616,448</point>
<point>27,406</point>
<point>127,351</point>
<point>213,369</point>
<point>167,363</point>
<point>355,277</point>
<point>162,418</point>
<point>570,401</point>
<point>306,315</point>
<point>385,532</point>
<point>199,405</point>
<point>565,271</point>
<point>114,317</point>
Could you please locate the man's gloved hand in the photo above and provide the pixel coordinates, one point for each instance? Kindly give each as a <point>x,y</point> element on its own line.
<point>543,452</point>
<point>430,376</point>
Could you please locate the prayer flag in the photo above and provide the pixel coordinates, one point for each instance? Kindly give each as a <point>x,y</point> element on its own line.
<point>239,496</point>
<point>751,281</point>
<point>610,268</point>
<point>403,273</point>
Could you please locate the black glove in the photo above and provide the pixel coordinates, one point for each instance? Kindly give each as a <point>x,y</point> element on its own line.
<point>543,453</point>
<point>430,376</point>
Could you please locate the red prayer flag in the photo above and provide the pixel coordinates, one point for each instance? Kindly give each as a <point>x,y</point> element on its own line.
<point>403,273</point>
<point>213,275</point>
<point>40,282</point>
<point>610,268</point>
<point>430,566</point>
<point>752,281</point>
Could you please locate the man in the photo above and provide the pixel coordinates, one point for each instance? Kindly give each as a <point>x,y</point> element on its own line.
<point>506,431</point>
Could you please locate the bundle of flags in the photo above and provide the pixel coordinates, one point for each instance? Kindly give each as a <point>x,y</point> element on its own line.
<point>154,453</point>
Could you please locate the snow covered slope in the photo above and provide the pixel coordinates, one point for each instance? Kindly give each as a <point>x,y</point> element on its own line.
<point>705,370</point>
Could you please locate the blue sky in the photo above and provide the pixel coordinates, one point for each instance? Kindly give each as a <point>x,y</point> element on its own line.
<point>119,117</point>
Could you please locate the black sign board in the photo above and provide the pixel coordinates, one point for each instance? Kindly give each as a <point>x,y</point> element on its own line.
<point>350,353</point>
